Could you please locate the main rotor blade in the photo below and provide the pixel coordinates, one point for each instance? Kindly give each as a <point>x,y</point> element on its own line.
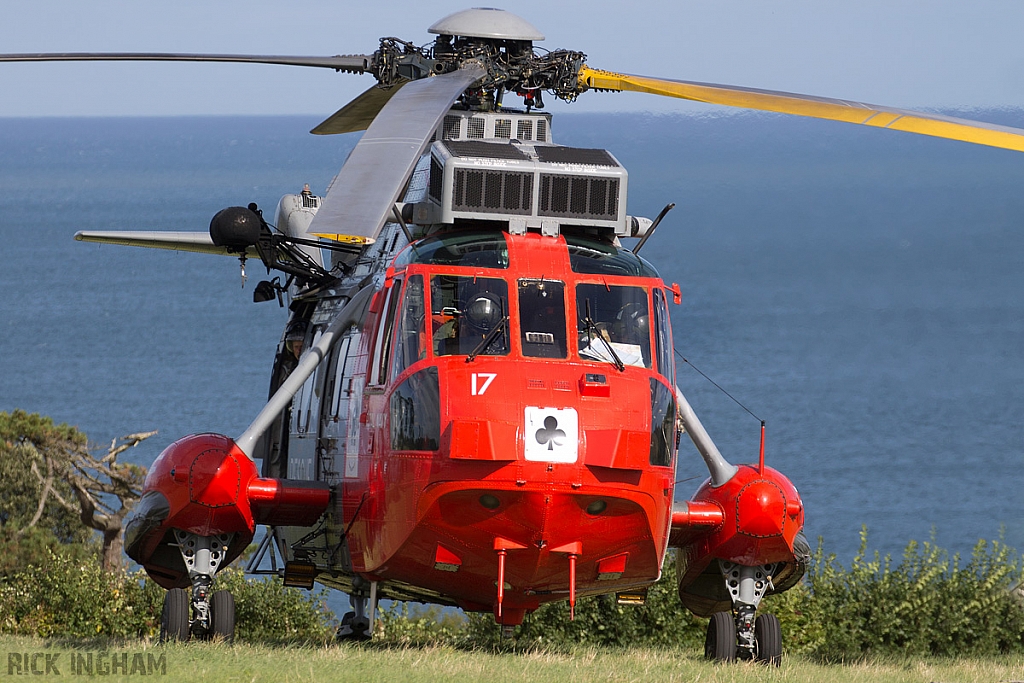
<point>355,64</point>
<point>359,113</point>
<point>361,198</point>
<point>816,107</point>
<point>198,242</point>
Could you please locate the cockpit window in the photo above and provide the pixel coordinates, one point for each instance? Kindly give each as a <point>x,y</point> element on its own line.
<point>409,344</point>
<point>663,337</point>
<point>468,249</point>
<point>542,318</point>
<point>614,324</point>
<point>469,315</point>
<point>593,257</point>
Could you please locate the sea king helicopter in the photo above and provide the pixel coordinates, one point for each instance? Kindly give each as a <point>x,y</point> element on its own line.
<point>473,403</point>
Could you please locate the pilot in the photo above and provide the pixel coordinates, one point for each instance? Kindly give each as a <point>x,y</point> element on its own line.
<point>294,337</point>
<point>478,316</point>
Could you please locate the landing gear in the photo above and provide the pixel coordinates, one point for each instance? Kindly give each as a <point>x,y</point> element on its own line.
<point>354,627</point>
<point>739,634</point>
<point>212,613</point>
<point>358,624</point>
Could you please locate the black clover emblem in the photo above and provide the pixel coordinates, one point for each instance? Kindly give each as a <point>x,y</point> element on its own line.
<point>550,434</point>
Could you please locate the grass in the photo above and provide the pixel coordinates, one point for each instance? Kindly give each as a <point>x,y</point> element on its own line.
<point>369,663</point>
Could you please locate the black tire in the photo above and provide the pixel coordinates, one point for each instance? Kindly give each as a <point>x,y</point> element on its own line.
<point>353,629</point>
<point>222,616</point>
<point>768,635</point>
<point>174,620</point>
<point>720,643</point>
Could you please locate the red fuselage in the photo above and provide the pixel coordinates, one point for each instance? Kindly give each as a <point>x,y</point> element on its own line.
<point>540,452</point>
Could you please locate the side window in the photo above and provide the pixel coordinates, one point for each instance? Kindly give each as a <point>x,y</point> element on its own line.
<point>382,344</point>
<point>410,339</point>
<point>338,389</point>
<point>306,404</point>
<point>663,337</point>
<point>542,318</point>
<point>613,323</point>
<point>663,424</point>
<point>416,413</point>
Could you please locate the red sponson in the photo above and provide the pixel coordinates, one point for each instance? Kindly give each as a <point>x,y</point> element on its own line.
<point>211,487</point>
<point>763,514</point>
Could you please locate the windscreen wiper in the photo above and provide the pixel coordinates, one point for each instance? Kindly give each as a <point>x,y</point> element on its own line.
<point>486,341</point>
<point>593,328</point>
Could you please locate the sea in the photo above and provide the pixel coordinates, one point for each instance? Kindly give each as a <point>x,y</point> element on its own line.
<point>859,290</point>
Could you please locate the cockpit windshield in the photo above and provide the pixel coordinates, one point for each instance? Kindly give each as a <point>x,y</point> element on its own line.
<point>594,257</point>
<point>542,318</point>
<point>466,311</point>
<point>613,323</point>
<point>471,249</point>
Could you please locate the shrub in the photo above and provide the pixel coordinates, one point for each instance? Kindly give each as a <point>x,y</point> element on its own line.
<point>926,605</point>
<point>70,596</point>
<point>599,620</point>
<point>429,625</point>
<point>269,611</point>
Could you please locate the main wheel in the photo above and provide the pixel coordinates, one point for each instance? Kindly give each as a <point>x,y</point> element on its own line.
<point>174,620</point>
<point>352,628</point>
<point>720,643</point>
<point>222,616</point>
<point>768,636</point>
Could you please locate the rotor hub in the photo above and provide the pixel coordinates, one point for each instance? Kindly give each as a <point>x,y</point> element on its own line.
<point>486,22</point>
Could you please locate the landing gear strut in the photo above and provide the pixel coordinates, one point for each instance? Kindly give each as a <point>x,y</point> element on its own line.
<point>212,613</point>
<point>358,624</point>
<point>742,634</point>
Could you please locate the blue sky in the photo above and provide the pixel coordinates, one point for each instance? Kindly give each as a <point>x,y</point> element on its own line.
<point>935,54</point>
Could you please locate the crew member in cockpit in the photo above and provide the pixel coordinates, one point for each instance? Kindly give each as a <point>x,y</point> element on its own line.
<point>294,338</point>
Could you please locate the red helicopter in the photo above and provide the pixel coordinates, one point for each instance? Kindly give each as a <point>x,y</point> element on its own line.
<point>473,402</point>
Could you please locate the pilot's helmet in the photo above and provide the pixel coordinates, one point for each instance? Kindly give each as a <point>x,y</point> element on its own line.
<point>483,311</point>
<point>296,331</point>
<point>632,324</point>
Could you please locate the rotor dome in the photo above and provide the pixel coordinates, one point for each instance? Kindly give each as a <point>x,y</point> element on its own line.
<point>486,22</point>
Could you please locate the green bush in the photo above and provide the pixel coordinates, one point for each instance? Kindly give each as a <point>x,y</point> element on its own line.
<point>599,620</point>
<point>420,625</point>
<point>70,596</point>
<point>269,611</point>
<point>928,604</point>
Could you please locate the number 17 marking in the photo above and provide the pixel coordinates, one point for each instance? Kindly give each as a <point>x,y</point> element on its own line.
<point>479,381</point>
